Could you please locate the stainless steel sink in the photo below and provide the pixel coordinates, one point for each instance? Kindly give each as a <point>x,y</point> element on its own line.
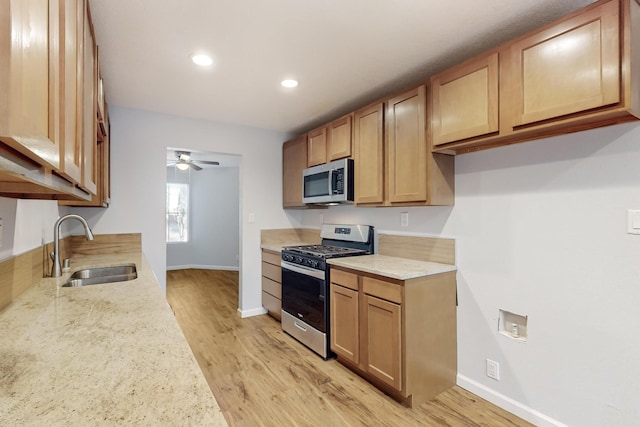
<point>99,275</point>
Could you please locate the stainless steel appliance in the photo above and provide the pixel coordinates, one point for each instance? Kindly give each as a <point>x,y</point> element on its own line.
<point>330,183</point>
<point>305,282</point>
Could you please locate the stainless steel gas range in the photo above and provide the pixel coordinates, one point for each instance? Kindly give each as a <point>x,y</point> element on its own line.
<point>305,282</point>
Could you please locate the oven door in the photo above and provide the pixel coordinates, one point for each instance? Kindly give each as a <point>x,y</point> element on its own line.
<point>304,294</point>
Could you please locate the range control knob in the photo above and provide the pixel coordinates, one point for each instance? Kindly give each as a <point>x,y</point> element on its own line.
<point>299,259</point>
<point>287,257</point>
<point>313,263</point>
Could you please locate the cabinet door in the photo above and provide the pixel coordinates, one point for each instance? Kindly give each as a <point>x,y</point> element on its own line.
<point>344,322</point>
<point>384,340</point>
<point>294,160</point>
<point>406,147</point>
<point>71,35</point>
<point>317,153</point>
<point>339,139</point>
<point>368,154</point>
<point>568,68</point>
<point>465,101</point>
<point>89,117</point>
<point>28,86</point>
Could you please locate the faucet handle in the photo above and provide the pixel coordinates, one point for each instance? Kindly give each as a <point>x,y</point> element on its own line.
<point>53,256</point>
<point>65,265</point>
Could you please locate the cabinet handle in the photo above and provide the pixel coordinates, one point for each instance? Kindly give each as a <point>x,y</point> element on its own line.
<point>299,326</point>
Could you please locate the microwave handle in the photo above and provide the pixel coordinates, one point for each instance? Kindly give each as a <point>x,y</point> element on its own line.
<point>330,181</point>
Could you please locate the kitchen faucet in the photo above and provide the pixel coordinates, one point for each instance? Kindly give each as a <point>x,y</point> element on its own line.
<point>56,270</point>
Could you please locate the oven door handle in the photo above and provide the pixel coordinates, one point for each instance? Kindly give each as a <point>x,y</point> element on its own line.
<point>318,274</point>
<point>299,326</point>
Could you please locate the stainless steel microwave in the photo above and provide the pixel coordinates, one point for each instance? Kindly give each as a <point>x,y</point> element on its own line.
<point>328,183</point>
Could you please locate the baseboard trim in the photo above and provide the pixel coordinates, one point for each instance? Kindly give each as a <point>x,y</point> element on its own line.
<point>506,403</point>
<point>203,267</point>
<point>253,312</point>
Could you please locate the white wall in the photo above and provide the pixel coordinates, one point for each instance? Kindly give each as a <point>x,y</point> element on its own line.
<point>28,224</point>
<point>138,176</point>
<point>540,230</point>
<point>214,220</point>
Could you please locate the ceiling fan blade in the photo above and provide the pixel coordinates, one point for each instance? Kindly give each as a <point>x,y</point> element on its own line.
<point>207,162</point>
<point>194,166</point>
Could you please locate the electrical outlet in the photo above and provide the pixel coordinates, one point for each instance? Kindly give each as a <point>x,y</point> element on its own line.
<point>493,369</point>
<point>633,221</point>
<point>252,218</point>
<point>404,219</point>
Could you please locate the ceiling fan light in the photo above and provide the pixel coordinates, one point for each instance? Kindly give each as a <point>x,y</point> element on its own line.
<point>182,165</point>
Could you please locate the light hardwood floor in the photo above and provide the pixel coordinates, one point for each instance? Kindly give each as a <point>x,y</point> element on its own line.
<point>262,377</point>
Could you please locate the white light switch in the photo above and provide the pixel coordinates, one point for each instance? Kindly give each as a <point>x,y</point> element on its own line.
<point>252,218</point>
<point>633,221</point>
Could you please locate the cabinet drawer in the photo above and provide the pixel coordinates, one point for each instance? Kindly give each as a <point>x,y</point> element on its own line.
<point>342,278</point>
<point>273,272</point>
<point>271,257</point>
<point>271,287</point>
<point>272,304</point>
<point>384,290</point>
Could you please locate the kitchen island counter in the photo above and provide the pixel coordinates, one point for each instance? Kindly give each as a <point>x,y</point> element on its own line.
<point>392,267</point>
<point>101,354</point>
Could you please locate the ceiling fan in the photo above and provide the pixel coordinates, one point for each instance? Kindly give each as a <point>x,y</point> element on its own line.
<point>183,161</point>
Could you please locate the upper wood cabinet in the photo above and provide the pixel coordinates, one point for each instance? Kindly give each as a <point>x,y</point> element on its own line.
<point>71,37</point>
<point>571,67</point>
<point>317,147</point>
<point>571,75</point>
<point>368,145</point>
<point>339,138</point>
<point>413,174</point>
<point>406,147</point>
<point>294,161</point>
<point>465,100</point>
<point>48,71</point>
<point>28,70</point>
<point>89,117</point>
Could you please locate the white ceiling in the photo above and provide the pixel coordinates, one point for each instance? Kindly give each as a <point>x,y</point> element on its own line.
<point>345,53</point>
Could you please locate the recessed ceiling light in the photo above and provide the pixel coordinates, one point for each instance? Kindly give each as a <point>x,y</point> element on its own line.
<point>289,83</point>
<point>202,59</point>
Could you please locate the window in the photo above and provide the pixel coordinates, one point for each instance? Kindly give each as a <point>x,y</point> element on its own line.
<point>177,212</point>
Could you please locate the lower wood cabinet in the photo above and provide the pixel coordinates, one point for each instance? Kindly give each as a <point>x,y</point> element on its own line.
<point>272,283</point>
<point>383,324</point>
<point>398,334</point>
<point>344,321</point>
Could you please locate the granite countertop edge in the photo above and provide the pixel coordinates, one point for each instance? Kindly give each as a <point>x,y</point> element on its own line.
<point>392,267</point>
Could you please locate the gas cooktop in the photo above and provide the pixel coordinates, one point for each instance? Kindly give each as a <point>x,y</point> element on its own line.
<point>324,251</point>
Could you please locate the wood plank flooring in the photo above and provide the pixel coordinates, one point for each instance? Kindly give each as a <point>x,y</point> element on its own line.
<point>262,377</point>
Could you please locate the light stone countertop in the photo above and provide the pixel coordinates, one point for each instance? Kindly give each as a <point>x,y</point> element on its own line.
<point>110,354</point>
<point>392,267</point>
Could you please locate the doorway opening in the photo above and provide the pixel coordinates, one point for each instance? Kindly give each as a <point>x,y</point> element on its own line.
<point>203,210</point>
